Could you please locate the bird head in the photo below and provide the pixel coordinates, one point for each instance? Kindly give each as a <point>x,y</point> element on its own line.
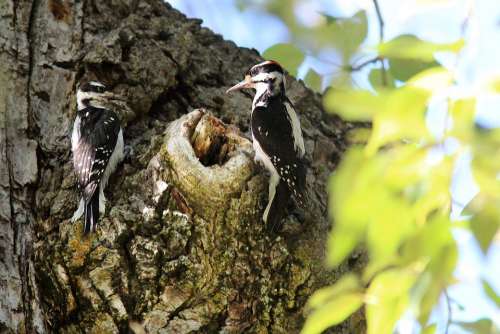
<point>267,76</point>
<point>95,94</point>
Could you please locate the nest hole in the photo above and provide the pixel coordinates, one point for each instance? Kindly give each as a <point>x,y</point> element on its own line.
<point>210,142</point>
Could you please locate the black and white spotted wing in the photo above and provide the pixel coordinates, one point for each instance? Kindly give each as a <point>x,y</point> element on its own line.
<point>99,130</point>
<point>272,128</point>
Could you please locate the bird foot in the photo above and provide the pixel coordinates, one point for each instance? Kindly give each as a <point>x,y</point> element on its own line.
<point>128,152</point>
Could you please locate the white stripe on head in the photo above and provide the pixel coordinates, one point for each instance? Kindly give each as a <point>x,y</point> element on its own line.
<point>261,86</point>
<point>96,83</point>
<point>94,99</point>
<point>265,62</point>
<point>266,76</point>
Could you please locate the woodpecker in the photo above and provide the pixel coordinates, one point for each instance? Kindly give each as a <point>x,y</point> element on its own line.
<point>97,146</point>
<point>277,137</point>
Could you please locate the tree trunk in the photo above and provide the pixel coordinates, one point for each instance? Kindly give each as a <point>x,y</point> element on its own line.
<point>182,247</point>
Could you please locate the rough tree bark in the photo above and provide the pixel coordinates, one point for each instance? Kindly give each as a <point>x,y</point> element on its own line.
<point>181,248</point>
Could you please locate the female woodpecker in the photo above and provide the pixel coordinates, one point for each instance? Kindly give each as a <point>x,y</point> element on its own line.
<point>277,137</point>
<point>97,146</point>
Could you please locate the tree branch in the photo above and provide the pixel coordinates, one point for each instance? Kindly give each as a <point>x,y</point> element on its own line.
<point>381,37</point>
<point>380,20</point>
<point>363,64</point>
<point>448,304</point>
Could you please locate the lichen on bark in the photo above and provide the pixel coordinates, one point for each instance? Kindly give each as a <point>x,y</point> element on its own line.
<point>182,247</point>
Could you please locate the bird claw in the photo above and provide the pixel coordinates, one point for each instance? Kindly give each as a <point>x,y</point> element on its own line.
<point>128,151</point>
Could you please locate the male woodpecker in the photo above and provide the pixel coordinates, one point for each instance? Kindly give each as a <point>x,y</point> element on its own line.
<point>97,146</point>
<point>277,137</point>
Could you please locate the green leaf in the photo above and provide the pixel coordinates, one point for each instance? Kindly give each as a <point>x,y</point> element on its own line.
<point>288,55</point>
<point>347,284</point>
<point>488,289</point>
<point>481,326</point>
<point>358,136</point>
<point>330,18</point>
<point>402,118</point>
<point>347,34</point>
<point>463,113</point>
<point>486,220</point>
<point>340,244</point>
<point>387,298</point>
<point>431,329</point>
<point>494,85</point>
<point>377,79</point>
<point>434,247</point>
<point>404,69</point>
<point>332,313</point>
<point>440,273</point>
<point>411,47</point>
<point>429,241</point>
<point>351,211</point>
<point>353,105</point>
<point>383,246</point>
<point>313,80</point>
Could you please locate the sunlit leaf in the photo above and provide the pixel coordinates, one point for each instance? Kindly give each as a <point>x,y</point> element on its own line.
<point>353,105</point>
<point>486,219</point>
<point>387,298</point>
<point>358,136</point>
<point>481,326</point>
<point>484,226</point>
<point>429,241</point>
<point>411,47</point>
<point>288,55</point>
<point>485,145</point>
<point>432,192</point>
<point>494,85</point>
<point>490,292</point>
<point>347,284</point>
<point>341,243</point>
<point>333,304</point>
<point>435,250</point>
<point>431,329</point>
<point>350,211</point>
<point>313,80</point>
<point>432,79</point>
<point>403,118</point>
<point>440,271</point>
<point>333,312</point>
<point>390,225</point>
<point>463,112</point>
<point>408,165</point>
<point>404,69</point>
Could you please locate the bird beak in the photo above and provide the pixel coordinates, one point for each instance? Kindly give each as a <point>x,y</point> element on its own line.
<point>247,83</point>
<point>112,96</point>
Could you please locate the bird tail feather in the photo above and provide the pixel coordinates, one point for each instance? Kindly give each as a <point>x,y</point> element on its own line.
<point>91,213</point>
<point>299,193</point>
<point>278,207</point>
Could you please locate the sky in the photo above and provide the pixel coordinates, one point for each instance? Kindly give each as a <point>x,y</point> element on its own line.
<point>434,20</point>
